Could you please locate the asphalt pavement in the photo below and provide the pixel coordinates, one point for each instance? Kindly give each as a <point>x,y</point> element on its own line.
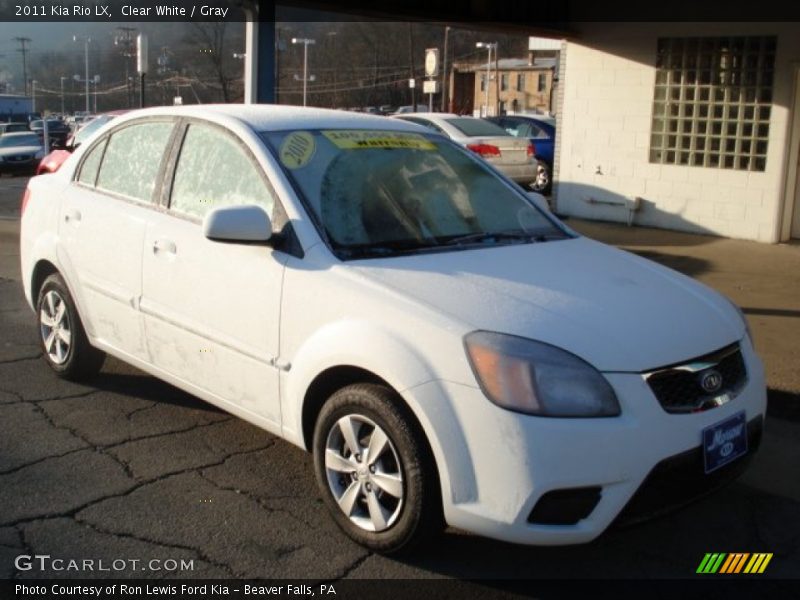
<point>128,467</point>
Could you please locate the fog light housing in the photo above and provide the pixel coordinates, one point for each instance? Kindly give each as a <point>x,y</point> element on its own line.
<point>565,506</point>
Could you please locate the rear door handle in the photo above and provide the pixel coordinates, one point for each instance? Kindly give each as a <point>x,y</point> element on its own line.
<point>164,246</point>
<point>72,215</point>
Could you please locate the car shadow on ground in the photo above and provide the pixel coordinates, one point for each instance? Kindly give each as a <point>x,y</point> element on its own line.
<point>146,387</point>
<point>688,265</point>
<point>783,405</point>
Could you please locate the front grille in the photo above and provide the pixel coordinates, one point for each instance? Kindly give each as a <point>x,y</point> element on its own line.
<point>679,388</point>
<point>681,479</point>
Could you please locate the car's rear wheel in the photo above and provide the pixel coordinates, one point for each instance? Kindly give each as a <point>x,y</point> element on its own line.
<point>374,470</point>
<point>63,338</point>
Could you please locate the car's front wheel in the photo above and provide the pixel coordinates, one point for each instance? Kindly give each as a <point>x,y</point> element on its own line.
<point>374,470</point>
<point>64,343</point>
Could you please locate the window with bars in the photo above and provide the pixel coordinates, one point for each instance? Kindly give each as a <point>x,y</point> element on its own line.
<point>712,102</point>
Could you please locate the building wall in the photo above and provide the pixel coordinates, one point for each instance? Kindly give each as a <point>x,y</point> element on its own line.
<point>530,99</point>
<point>604,137</point>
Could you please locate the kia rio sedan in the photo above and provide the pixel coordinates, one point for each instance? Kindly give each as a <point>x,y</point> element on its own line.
<point>386,300</point>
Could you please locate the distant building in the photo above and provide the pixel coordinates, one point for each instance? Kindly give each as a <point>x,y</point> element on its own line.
<point>516,85</point>
<point>14,107</point>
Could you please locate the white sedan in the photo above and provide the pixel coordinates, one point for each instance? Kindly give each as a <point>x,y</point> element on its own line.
<point>512,156</point>
<point>20,152</point>
<point>379,296</point>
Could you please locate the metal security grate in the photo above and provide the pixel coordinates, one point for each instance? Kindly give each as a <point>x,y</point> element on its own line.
<point>712,102</point>
<point>679,388</point>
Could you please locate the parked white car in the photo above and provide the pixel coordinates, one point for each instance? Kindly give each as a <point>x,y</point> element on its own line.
<point>512,156</point>
<point>379,296</point>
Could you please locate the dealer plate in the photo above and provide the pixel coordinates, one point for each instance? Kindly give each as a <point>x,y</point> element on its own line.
<point>724,442</point>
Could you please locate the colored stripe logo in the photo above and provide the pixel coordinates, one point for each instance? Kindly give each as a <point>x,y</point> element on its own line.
<point>734,562</point>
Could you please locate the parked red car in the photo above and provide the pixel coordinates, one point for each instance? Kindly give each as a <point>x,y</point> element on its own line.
<point>52,162</point>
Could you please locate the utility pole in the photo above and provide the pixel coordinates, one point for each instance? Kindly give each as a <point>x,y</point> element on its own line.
<point>125,41</point>
<point>22,41</point>
<point>411,67</point>
<point>86,42</point>
<point>445,82</point>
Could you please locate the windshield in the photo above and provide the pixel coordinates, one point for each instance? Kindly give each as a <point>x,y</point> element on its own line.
<point>20,140</point>
<point>473,127</point>
<point>378,193</point>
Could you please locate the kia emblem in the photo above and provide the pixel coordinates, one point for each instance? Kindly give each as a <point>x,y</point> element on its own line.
<point>711,381</point>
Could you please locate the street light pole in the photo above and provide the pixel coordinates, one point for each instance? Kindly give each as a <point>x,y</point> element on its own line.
<point>305,42</point>
<point>33,95</point>
<point>489,46</point>
<point>62,94</point>
<point>86,41</point>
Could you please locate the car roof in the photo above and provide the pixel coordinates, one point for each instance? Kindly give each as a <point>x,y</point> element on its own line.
<point>274,117</point>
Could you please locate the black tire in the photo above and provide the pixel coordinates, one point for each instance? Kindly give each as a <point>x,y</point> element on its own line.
<point>543,182</point>
<point>419,515</point>
<point>78,360</point>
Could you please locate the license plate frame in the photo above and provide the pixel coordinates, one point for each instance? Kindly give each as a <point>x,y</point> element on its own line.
<point>724,442</point>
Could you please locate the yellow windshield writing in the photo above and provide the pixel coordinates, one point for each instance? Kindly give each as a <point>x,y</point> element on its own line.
<point>354,140</point>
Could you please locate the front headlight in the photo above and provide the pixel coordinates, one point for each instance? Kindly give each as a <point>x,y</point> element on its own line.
<point>538,379</point>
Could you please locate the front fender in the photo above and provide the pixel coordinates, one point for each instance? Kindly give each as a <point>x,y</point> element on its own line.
<point>353,343</point>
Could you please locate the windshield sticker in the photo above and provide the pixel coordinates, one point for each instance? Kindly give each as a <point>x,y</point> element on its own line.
<point>297,149</point>
<point>353,140</point>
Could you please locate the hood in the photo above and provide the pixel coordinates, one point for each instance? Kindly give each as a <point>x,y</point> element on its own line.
<point>14,150</point>
<point>614,309</point>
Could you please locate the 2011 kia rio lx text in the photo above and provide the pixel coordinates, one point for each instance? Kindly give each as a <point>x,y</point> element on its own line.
<point>447,349</point>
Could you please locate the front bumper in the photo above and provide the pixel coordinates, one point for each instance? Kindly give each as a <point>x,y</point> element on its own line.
<point>19,166</point>
<point>496,465</point>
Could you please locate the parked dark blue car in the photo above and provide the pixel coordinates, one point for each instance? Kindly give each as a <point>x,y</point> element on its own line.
<point>541,131</point>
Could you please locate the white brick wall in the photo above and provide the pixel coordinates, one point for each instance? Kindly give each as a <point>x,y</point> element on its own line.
<point>608,93</point>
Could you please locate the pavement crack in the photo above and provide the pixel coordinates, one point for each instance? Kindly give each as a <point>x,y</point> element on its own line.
<point>26,548</point>
<point>139,538</point>
<point>11,361</point>
<point>141,409</point>
<point>261,502</point>
<point>17,395</point>
<point>349,569</point>
<point>67,397</point>
<point>43,459</point>
<point>162,434</point>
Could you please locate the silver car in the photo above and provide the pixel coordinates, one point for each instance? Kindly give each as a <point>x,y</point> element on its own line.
<point>513,156</point>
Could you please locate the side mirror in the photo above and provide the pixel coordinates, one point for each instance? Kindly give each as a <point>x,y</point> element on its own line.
<point>539,200</point>
<point>247,223</point>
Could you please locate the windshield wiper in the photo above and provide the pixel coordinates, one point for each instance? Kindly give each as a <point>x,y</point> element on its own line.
<point>501,236</point>
<point>486,236</point>
<point>383,249</point>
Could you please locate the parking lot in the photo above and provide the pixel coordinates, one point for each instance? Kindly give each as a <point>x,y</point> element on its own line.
<point>129,467</point>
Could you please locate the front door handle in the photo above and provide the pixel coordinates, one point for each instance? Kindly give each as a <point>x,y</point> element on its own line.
<point>72,215</point>
<point>164,246</point>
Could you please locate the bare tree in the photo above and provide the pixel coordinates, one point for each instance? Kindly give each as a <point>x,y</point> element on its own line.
<point>210,39</point>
